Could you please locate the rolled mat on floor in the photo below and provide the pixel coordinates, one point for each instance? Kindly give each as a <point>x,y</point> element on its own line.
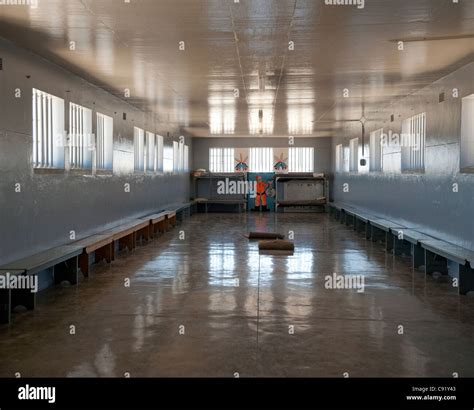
<point>277,245</point>
<point>265,235</point>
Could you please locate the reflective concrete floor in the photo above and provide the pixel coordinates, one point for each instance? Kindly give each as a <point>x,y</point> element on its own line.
<point>209,305</point>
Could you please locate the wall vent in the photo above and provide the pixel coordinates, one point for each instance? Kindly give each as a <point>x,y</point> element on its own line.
<point>1,64</point>
<point>392,118</point>
<point>124,115</point>
<point>441,97</point>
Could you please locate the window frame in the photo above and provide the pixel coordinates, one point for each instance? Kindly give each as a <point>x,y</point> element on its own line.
<point>261,159</point>
<point>354,155</point>
<point>168,160</point>
<point>376,150</point>
<point>80,137</point>
<point>104,142</point>
<point>296,156</point>
<point>413,133</point>
<point>339,160</point>
<point>139,149</point>
<point>221,160</point>
<point>466,142</point>
<point>54,141</point>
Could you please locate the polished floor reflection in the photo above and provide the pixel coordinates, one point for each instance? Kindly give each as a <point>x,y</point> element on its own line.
<point>210,305</point>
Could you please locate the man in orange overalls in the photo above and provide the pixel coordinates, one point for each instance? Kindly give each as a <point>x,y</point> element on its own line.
<point>261,194</point>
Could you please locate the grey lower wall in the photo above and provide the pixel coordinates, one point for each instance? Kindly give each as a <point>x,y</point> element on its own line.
<point>425,201</point>
<point>322,148</point>
<point>50,206</point>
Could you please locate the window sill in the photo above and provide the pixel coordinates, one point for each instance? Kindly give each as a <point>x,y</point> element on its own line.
<point>42,171</point>
<point>81,171</point>
<point>413,171</point>
<point>104,172</point>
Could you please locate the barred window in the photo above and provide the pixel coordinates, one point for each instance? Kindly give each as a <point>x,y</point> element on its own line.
<point>80,136</point>
<point>104,142</point>
<point>301,159</point>
<point>48,130</point>
<point>221,159</point>
<point>261,159</point>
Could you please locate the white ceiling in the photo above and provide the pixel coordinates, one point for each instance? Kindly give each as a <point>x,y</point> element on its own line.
<point>244,46</point>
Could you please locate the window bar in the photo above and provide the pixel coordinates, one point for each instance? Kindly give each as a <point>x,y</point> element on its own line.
<point>44,133</point>
<point>81,138</point>
<point>70,133</point>
<point>97,153</point>
<point>98,143</point>
<point>423,141</point>
<point>49,135</point>
<point>102,141</point>
<point>72,136</point>
<point>34,130</point>
<point>416,138</point>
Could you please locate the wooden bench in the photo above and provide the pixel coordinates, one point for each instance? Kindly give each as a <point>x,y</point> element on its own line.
<point>437,255</point>
<point>183,210</point>
<point>408,241</point>
<point>101,244</point>
<point>157,223</point>
<point>383,229</point>
<point>170,219</point>
<point>425,250</point>
<point>62,260</point>
<point>127,234</point>
<point>335,210</point>
<point>11,298</point>
<point>348,216</point>
<point>361,223</point>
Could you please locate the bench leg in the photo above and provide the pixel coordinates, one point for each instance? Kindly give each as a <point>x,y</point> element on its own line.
<point>389,241</point>
<point>435,263</point>
<point>466,279</point>
<point>357,224</point>
<point>127,242</point>
<point>5,305</point>
<point>160,227</point>
<point>109,252</point>
<point>104,253</point>
<point>377,234</point>
<point>400,246</point>
<point>66,270</point>
<point>84,263</point>
<point>418,256</point>
<point>143,234</point>
<point>124,243</point>
<point>23,297</point>
<point>139,236</point>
